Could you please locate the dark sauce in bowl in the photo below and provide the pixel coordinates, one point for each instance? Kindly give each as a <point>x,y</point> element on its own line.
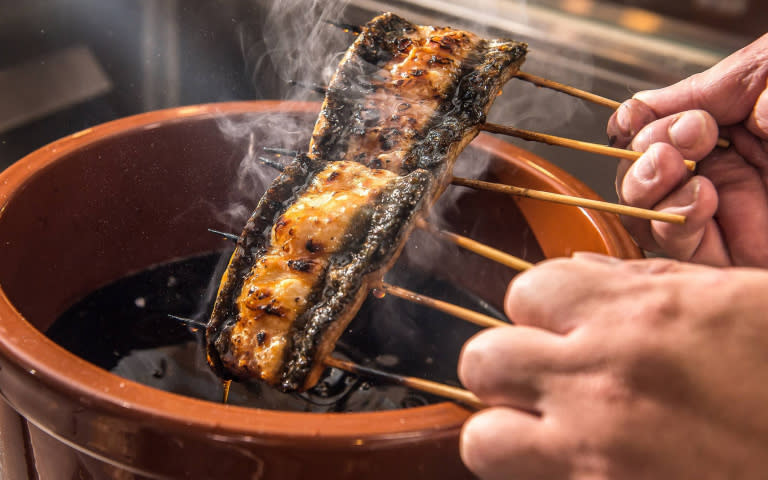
<point>124,328</point>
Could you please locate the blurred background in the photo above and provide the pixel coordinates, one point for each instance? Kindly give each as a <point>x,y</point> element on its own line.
<point>66,65</point>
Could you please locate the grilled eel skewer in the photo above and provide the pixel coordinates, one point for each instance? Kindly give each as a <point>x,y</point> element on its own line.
<point>404,102</point>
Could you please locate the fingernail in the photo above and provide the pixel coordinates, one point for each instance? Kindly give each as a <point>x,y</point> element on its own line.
<point>645,95</point>
<point>760,114</point>
<point>690,193</point>
<point>597,258</point>
<point>688,129</point>
<point>686,197</point>
<point>623,120</point>
<point>644,168</point>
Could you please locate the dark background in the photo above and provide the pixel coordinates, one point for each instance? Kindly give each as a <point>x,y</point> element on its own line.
<point>162,53</point>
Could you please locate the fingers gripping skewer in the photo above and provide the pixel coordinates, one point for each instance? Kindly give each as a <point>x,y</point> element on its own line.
<point>440,389</point>
<point>584,95</point>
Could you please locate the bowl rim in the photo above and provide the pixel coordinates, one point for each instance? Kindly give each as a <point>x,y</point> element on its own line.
<point>48,363</point>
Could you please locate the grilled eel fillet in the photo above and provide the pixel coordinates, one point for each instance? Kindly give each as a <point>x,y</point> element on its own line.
<point>404,102</point>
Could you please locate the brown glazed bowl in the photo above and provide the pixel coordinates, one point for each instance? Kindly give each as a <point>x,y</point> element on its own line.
<point>119,197</point>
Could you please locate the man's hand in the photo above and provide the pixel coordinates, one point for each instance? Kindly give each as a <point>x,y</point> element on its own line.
<point>727,201</point>
<point>664,381</point>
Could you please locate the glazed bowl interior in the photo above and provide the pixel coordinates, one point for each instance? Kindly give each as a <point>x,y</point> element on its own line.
<point>118,198</point>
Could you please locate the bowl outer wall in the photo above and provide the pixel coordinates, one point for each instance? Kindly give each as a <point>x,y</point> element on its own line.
<point>46,384</point>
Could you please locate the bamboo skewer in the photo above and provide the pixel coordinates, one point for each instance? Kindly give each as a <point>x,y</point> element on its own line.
<point>446,307</point>
<point>454,393</point>
<point>229,236</point>
<point>272,163</point>
<point>479,248</point>
<point>570,200</point>
<point>569,143</point>
<point>584,95</point>
<point>280,151</point>
<point>545,83</point>
<point>315,87</point>
<point>510,261</point>
<point>467,243</point>
<point>189,321</point>
<point>567,89</point>
<point>440,389</point>
<point>347,27</point>
<point>541,137</point>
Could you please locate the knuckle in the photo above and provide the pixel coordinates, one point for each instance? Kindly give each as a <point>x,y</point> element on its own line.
<point>480,367</point>
<point>613,396</point>
<point>607,389</point>
<point>665,305</point>
<point>542,294</point>
<point>471,442</point>
<point>662,152</point>
<point>477,442</point>
<point>473,358</point>
<point>523,295</point>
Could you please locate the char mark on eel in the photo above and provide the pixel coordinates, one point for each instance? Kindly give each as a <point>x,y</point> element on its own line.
<point>403,103</point>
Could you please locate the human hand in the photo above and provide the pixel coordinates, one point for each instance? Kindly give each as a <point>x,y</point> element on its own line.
<point>726,202</point>
<point>664,381</point>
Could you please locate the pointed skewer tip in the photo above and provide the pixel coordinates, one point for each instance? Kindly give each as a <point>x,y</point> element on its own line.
<point>347,27</point>
<point>188,321</point>
<point>227,235</point>
<point>272,163</point>
<point>280,151</point>
<point>309,86</point>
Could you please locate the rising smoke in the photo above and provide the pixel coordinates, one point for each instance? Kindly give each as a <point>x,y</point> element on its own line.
<point>292,42</point>
<point>296,42</point>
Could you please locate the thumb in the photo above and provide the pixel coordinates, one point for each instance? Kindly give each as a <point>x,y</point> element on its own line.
<point>757,123</point>
<point>728,91</point>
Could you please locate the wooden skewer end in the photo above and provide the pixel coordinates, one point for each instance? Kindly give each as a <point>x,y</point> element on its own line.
<point>440,389</point>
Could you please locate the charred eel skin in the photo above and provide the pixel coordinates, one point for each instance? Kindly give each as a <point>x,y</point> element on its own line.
<point>407,96</point>
<point>252,243</point>
<point>346,285</point>
<point>337,273</point>
<point>404,102</point>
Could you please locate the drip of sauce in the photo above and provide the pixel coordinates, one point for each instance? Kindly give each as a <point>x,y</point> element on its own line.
<point>226,384</point>
<point>378,293</point>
